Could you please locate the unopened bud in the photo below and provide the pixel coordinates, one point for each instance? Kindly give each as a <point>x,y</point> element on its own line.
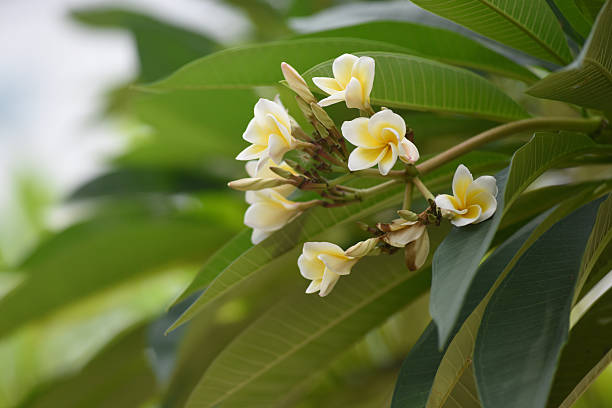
<point>416,252</point>
<point>362,248</point>
<point>408,215</point>
<point>363,226</point>
<point>286,174</point>
<point>250,184</point>
<point>322,116</point>
<point>297,83</point>
<point>321,129</point>
<point>304,107</point>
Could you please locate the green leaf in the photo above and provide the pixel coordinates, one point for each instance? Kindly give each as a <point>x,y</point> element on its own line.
<point>226,69</point>
<point>98,254</point>
<point>132,382</point>
<point>434,43</point>
<point>162,47</point>
<point>587,353</point>
<point>303,332</point>
<point>527,343</point>
<point>410,82</point>
<point>587,81</point>
<point>527,25</point>
<point>574,17</point>
<point>307,227</point>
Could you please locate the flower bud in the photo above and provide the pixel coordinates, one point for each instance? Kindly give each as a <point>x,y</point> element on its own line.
<point>297,83</point>
<point>408,215</point>
<point>362,248</point>
<point>251,183</point>
<point>286,174</point>
<point>322,116</point>
<point>416,252</point>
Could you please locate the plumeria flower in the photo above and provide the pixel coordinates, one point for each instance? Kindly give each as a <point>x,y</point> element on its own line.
<point>379,140</point>
<point>269,132</point>
<point>352,82</point>
<point>323,263</point>
<point>264,172</point>
<point>473,201</point>
<point>411,235</point>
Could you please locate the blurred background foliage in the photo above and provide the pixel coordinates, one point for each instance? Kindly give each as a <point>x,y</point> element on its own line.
<point>84,309</point>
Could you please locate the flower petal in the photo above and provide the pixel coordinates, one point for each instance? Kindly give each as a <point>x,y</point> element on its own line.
<point>342,68</point>
<point>469,217</point>
<point>362,158</point>
<point>387,162</point>
<point>386,118</point>
<point>330,100</point>
<point>251,152</point>
<point>487,204</point>
<point>330,279</point>
<point>404,236</point>
<point>486,183</point>
<point>310,268</point>
<point>314,286</point>
<point>277,147</point>
<point>258,235</point>
<point>449,203</point>
<point>253,133</point>
<point>313,249</point>
<point>267,216</point>
<point>263,107</point>
<point>417,251</point>
<point>356,132</point>
<point>461,181</point>
<point>339,264</point>
<point>408,152</point>
<point>353,95</point>
<point>327,85</point>
<point>364,70</point>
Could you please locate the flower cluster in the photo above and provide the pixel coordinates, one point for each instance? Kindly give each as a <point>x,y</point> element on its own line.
<point>285,163</point>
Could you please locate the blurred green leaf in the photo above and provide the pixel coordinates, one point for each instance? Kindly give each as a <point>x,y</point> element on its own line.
<point>307,227</point>
<point>529,344</point>
<point>434,43</point>
<point>409,82</point>
<point>588,80</point>
<point>574,16</point>
<point>527,25</point>
<point>590,8</point>
<point>226,69</point>
<point>162,47</point>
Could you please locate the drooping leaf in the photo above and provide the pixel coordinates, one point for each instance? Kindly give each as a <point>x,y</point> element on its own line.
<point>464,247</point>
<point>303,332</point>
<point>410,82</point>
<point>226,69</point>
<point>527,344</point>
<point>588,80</point>
<point>307,227</point>
<point>527,25</point>
<point>574,17</point>
<point>434,43</point>
<point>162,47</point>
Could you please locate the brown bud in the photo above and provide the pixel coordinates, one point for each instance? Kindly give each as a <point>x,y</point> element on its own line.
<point>416,252</point>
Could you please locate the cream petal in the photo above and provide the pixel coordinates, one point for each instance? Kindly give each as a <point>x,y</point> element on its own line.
<point>327,85</point>
<point>471,214</point>
<point>258,235</point>
<point>356,132</point>
<point>275,196</point>
<point>277,147</point>
<point>364,70</point>
<point>404,236</point>
<point>339,264</point>
<point>342,68</point>
<point>310,268</point>
<point>282,129</point>
<point>263,107</point>
<point>251,152</point>
<point>253,133</point>
<point>387,162</point>
<point>251,168</point>
<point>313,249</point>
<point>250,197</point>
<point>448,202</point>
<point>267,216</point>
<point>486,183</point>
<point>386,118</point>
<point>487,204</point>
<point>329,281</point>
<point>353,95</point>
<point>461,181</point>
<point>408,152</point>
<point>362,158</point>
<point>330,100</point>
<point>314,286</point>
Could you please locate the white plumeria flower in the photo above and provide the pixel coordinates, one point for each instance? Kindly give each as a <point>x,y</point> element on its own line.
<point>379,140</point>
<point>352,82</point>
<point>323,263</point>
<point>473,201</point>
<point>269,209</point>
<point>269,132</point>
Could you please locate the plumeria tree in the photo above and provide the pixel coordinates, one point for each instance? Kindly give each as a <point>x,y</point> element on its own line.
<point>416,216</point>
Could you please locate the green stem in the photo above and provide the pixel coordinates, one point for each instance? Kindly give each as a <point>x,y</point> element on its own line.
<point>509,129</point>
<point>340,179</point>
<point>376,173</point>
<point>361,194</point>
<point>423,189</point>
<point>407,196</point>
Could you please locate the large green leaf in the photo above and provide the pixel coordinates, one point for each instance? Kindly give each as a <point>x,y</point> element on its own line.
<point>527,343</point>
<point>587,353</point>
<point>162,47</point>
<point>457,258</point>
<point>574,17</point>
<point>306,228</point>
<point>302,333</point>
<point>226,69</point>
<point>435,43</point>
<point>588,80</point>
<point>410,82</point>
<point>98,254</point>
<point>527,25</point>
